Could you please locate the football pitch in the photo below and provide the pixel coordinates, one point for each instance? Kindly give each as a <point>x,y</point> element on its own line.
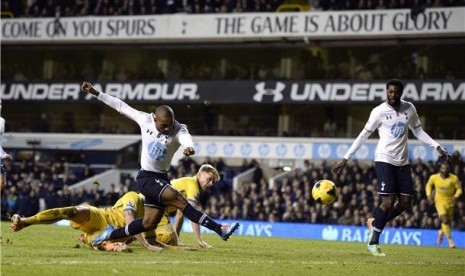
<point>53,250</point>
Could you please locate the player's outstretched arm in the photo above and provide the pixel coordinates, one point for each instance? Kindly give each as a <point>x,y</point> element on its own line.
<point>198,236</point>
<point>179,220</point>
<point>115,103</point>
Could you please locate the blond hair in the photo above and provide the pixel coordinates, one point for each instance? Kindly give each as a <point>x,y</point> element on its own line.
<point>210,169</point>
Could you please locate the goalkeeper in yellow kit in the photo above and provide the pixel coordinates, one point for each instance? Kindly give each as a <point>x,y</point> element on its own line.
<point>92,221</point>
<point>447,190</point>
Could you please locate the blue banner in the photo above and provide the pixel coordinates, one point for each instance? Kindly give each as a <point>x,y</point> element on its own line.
<point>401,236</point>
<point>336,150</point>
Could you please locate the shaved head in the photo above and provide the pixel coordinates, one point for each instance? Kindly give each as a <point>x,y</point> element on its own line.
<point>164,119</point>
<point>164,111</point>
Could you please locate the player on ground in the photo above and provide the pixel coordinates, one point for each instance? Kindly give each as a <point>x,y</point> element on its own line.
<point>190,188</point>
<point>161,136</point>
<point>92,221</point>
<point>447,191</point>
<point>395,185</point>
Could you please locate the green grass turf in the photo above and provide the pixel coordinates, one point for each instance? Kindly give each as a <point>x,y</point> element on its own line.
<point>52,250</point>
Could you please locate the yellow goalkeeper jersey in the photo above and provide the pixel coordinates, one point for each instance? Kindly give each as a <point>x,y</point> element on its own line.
<point>445,188</point>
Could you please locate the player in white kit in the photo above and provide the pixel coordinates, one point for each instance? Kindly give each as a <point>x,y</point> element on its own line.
<point>3,155</point>
<point>392,118</point>
<point>161,136</point>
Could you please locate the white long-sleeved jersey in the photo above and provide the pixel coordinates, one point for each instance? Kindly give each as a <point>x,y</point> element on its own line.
<point>392,126</point>
<point>157,149</point>
<point>2,130</point>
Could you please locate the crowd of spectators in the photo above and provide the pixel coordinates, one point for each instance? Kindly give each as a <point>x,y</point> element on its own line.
<point>306,65</point>
<point>31,187</point>
<point>67,8</point>
<point>289,200</point>
<point>332,5</point>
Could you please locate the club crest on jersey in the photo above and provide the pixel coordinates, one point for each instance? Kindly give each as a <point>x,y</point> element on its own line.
<point>157,150</point>
<point>398,129</point>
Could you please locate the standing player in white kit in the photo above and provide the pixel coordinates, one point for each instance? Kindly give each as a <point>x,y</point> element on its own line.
<point>395,185</point>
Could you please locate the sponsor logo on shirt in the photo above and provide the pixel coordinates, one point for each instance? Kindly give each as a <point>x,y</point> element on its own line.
<point>157,151</point>
<point>398,129</point>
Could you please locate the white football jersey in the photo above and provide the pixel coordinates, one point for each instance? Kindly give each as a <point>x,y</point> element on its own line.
<point>157,149</point>
<point>2,130</point>
<point>392,128</point>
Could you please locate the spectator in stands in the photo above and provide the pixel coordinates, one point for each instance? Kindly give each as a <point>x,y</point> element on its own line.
<point>330,128</point>
<point>44,124</point>
<point>79,197</point>
<point>87,172</point>
<point>11,200</point>
<point>63,198</point>
<point>50,196</point>
<point>141,7</point>
<point>11,8</point>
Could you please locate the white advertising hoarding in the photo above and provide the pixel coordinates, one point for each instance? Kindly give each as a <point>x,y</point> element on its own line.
<point>433,22</point>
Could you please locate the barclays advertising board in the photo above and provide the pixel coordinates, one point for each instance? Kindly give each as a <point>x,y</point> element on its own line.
<point>400,236</point>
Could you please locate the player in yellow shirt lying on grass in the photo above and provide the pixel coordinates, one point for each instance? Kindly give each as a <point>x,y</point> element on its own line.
<point>91,221</point>
<point>447,190</point>
<point>190,188</point>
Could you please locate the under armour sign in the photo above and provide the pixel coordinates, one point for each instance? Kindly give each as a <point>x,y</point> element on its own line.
<point>276,94</point>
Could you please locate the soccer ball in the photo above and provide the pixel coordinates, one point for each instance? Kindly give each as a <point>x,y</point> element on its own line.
<point>324,192</point>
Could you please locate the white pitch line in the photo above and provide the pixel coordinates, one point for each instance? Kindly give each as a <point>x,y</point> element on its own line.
<point>174,262</point>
